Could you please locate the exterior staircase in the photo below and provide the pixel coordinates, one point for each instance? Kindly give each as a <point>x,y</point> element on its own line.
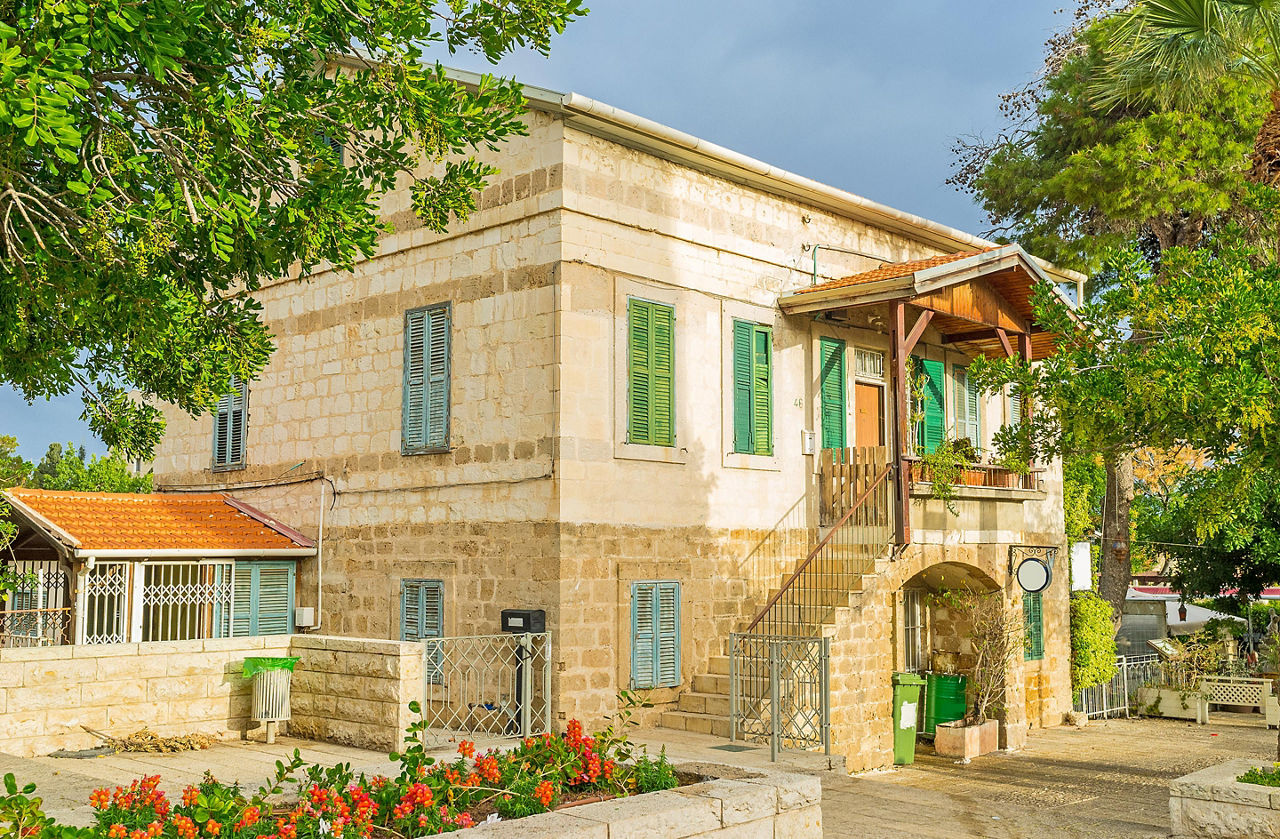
<point>780,645</point>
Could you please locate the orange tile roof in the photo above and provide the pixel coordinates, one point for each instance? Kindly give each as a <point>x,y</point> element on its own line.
<point>897,269</point>
<point>122,521</point>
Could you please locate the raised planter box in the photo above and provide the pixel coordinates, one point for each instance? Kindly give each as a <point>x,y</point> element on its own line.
<point>1174,704</point>
<point>766,805</point>
<point>1212,804</point>
<point>966,741</point>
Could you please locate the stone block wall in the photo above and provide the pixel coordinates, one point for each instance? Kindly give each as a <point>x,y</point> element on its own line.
<point>354,691</point>
<point>171,687</point>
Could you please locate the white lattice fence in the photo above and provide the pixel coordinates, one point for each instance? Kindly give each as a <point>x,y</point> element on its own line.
<point>1236,690</point>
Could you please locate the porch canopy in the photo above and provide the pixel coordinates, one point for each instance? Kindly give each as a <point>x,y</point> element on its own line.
<point>979,300</point>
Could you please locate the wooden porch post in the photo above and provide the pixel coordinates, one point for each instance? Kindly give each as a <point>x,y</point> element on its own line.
<point>1024,349</point>
<point>901,414</point>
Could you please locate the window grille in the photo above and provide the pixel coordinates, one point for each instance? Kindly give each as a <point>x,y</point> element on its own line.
<point>913,631</point>
<point>182,601</point>
<point>868,364</point>
<point>106,603</point>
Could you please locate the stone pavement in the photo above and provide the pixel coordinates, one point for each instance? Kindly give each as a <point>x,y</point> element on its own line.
<point>1109,780</point>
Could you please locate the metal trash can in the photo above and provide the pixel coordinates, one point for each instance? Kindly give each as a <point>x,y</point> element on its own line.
<point>943,700</point>
<point>271,678</point>
<point>906,705</point>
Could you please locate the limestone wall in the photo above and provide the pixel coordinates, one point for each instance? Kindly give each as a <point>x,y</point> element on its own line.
<point>171,687</point>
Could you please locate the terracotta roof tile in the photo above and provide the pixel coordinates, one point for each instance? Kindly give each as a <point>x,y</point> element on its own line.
<point>121,521</point>
<point>896,269</point>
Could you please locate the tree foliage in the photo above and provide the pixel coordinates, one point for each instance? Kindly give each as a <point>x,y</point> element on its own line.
<point>1093,642</point>
<point>159,162</point>
<point>68,468</point>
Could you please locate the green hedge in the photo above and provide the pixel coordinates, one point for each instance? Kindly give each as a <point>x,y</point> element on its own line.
<point>1093,641</point>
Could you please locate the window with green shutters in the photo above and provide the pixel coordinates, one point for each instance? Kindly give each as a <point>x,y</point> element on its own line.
<point>230,419</point>
<point>1015,406</point>
<point>651,417</point>
<point>655,634</point>
<point>1033,626</point>
<point>968,407</point>
<point>262,598</point>
<point>932,427</point>
<point>425,421</point>
<point>422,616</point>
<point>752,388</point>
<point>833,398</point>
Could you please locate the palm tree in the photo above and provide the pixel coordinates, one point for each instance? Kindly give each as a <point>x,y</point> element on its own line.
<point>1170,52</point>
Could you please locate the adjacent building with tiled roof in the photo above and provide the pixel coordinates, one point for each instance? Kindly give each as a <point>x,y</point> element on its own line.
<point>632,390</point>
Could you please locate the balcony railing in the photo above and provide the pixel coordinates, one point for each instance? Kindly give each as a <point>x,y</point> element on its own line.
<point>978,475</point>
<point>844,476</point>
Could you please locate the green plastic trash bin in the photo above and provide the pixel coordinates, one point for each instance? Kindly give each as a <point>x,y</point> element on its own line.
<point>906,704</point>
<point>943,700</point>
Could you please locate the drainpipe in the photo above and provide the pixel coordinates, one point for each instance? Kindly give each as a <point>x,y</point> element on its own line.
<point>813,280</point>
<point>320,564</point>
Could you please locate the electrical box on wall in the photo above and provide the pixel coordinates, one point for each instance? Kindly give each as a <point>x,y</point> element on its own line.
<point>808,441</point>
<point>524,620</point>
<point>304,616</point>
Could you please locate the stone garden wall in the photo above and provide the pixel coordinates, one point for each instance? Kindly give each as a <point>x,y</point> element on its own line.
<point>345,690</point>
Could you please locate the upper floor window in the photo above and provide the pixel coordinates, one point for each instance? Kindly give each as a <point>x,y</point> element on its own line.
<point>752,388</point>
<point>230,420</point>
<point>426,379</point>
<point>650,373</point>
<point>968,408</point>
<point>831,392</point>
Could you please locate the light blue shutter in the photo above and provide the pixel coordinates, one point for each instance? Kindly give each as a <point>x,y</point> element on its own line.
<point>262,598</point>
<point>644,619</point>
<point>655,634</point>
<point>1015,405</point>
<point>422,616</point>
<point>229,426</point>
<point>968,419</point>
<point>668,652</point>
<point>425,416</point>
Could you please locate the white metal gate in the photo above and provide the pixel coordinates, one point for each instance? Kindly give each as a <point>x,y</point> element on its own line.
<point>491,684</point>
<point>106,603</point>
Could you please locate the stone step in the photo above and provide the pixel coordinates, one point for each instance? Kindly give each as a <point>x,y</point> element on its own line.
<point>718,665</point>
<point>711,683</point>
<point>697,723</point>
<point>704,703</point>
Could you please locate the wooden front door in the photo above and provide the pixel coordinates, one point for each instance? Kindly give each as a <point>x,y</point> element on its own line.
<point>868,402</point>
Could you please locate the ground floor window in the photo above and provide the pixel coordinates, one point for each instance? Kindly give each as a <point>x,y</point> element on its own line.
<point>655,634</point>
<point>913,631</point>
<point>1033,625</point>
<point>422,616</point>
<point>182,601</point>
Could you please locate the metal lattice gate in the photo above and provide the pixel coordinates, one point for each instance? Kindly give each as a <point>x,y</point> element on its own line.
<point>779,691</point>
<point>498,685</point>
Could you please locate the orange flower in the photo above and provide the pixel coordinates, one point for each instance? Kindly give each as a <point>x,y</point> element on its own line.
<point>99,799</point>
<point>189,796</point>
<point>212,828</point>
<point>117,831</point>
<point>466,748</point>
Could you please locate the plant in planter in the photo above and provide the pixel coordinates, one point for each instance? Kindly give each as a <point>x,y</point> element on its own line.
<point>948,465</point>
<point>995,637</point>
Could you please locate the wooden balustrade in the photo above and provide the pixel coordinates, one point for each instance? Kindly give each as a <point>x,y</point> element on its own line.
<point>844,475</point>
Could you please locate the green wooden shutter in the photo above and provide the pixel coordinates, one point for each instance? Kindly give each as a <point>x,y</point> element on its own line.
<point>230,420</point>
<point>752,388</point>
<point>742,425</point>
<point>762,391</point>
<point>650,373</point>
<point>933,425</point>
<point>425,416</point>
<point>262,598</point>
<point>655,634</point>
<point>1033,625</point>
<point>968,407</point>
<point>834,411</point>
<point>1015,405</point>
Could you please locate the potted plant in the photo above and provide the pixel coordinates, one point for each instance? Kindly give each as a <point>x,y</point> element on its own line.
<point>995,637</point>
<point>946,466</point>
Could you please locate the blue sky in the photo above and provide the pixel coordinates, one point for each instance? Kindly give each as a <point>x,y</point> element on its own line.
<point>864,96</point>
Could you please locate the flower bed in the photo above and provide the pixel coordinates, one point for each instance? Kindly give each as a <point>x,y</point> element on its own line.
<point>1218,803</point>
<point>427,797</point>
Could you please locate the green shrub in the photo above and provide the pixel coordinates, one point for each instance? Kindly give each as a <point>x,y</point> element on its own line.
<point>1265,777</point>
<point>653,775</point>
<point>1093,641</point>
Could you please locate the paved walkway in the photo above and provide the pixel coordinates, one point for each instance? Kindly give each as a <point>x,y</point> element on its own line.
<point>1109,780</point>
<point>1106,781</point>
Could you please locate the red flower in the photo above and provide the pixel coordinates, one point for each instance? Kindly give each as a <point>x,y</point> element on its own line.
<point>99,799</point>
<point>544,793</point>
<point>466,748</point>
<point>117,831</point>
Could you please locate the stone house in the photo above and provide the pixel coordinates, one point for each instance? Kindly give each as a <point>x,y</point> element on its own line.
<point>613,394</point>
